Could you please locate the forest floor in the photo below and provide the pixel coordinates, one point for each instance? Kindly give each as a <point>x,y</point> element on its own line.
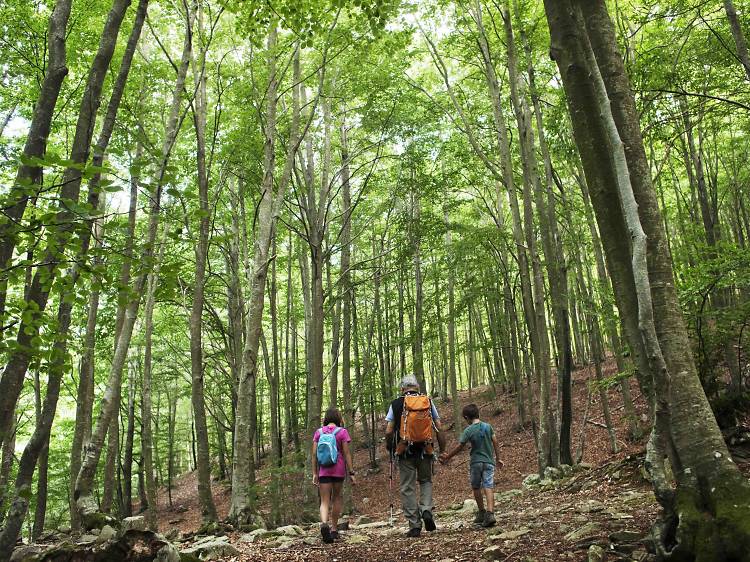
<point>608,503</point>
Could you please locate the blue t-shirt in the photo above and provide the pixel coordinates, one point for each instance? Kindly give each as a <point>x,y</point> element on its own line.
<point>480,437</point>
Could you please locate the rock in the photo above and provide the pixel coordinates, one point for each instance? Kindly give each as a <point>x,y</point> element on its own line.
<point>64,529</point>
<point>511,535</point>
<point>565,469</point>
<point>373,525</point>
<point>469,506</point>
<point>168,553</point>
<point>493,553</point>
<point>211,548</point>
<point>357,539</point>
<point>590,506</point>
<point>311,541</point>
<point>582,466</point>
<point>596,553</point>
<point>531,481</point>
<point>586,531</point>
<point>363,520</point>
<point>284,541</point>
<point>259,534</point>
<point>173,534</point>
<point>87,539</point>
<point>106,534</point>
<point>625,536</point>
<point>95,531</point>
<point>620,516</point>
<point>507,495</point>
<point>26,553</point>
<point>136,523</point>
<point>446,560</point>
<point>552,473</point>
<point>290,531</point>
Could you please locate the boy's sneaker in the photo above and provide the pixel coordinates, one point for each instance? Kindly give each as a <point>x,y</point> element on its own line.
<point>479,518</point>
<point>325,532</point>
<point>489,519</point>
<point>429,521</point>
<point>414,532</point>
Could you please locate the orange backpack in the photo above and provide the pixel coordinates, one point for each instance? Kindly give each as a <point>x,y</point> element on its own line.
<point>416,423</point>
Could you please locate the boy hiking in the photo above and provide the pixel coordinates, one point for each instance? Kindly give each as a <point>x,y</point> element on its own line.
<point>482,466</point>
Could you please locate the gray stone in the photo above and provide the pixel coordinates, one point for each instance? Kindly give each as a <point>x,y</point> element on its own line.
<point>552,473</point>
<point>373,525</point>
<point>590,506</point>
<point>357,539</point>
<point>172,534</point>
<point>259,534</point>
<point>212,548</point>
<point>311,541</point>
<point>596,553</point>
<point>469,506</point>
<point>168,553</point>
<point>135,523</point>
<point>26,553</point>
<point>64,529</point>
<point>106,534</point>
<point>625,536</point>
<point>493,553</point>
<point>507,495</point>
<point>363,520</point>
<point>290,531</point>
<point>87,539</point>
<point>566,469</point>
<point>620,516</point>
<point>531,481</point>
<point>588,530</point>
<point>511,535</point>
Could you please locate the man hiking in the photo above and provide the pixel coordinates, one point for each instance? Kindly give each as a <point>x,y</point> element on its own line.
<point>413,423</point>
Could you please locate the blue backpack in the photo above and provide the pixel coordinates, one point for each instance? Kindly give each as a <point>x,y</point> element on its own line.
<point>327,450</point>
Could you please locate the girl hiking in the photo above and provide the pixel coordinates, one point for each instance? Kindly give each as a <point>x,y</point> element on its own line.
<point>331,462</point>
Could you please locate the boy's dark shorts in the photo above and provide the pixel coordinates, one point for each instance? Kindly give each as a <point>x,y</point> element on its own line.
<point>482,475</point>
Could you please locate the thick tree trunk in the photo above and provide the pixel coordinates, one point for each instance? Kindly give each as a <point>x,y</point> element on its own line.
<point>603,112</point>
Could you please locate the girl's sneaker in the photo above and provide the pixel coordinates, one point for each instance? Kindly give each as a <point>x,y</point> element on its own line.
<point>325,532</point>
<point>334,534</point>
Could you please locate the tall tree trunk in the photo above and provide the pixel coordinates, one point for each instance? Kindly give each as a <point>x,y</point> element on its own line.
<point>346,277</point>
<point>452,382</point>
<point>126,507</point>
<point>85,500</point>
<point>418,291</point>
<point>200,111</point>
<point>603,113</point>
<point>242,509</point>
<point>29,176</point>
<point>739,37</point>
<point>61,232</point>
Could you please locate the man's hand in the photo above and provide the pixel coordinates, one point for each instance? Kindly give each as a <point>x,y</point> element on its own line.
<point>499,463</point>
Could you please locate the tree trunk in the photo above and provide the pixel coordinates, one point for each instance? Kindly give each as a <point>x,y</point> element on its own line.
<point>418,292</point>
<point>29,176</point>
<point>603,113</point>
<point>65,219</point>
<point>739,37</point>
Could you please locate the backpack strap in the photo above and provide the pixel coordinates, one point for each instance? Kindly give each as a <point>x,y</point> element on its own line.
<point>336,430</point>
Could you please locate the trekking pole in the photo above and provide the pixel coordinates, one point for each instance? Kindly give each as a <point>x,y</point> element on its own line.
<point>390,481</point>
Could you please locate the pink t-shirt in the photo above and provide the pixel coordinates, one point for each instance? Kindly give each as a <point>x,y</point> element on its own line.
<point>338,469</point>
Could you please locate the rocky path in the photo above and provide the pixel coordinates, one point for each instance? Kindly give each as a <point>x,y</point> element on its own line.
<point>598,514</point>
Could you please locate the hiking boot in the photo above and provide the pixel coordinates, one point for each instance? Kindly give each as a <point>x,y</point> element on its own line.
<point>489,519</point>
<point>325,532</point>
<point>334,535</point>
<point>479,517</point>
<point>429,522</point>
<point>414,532</point>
